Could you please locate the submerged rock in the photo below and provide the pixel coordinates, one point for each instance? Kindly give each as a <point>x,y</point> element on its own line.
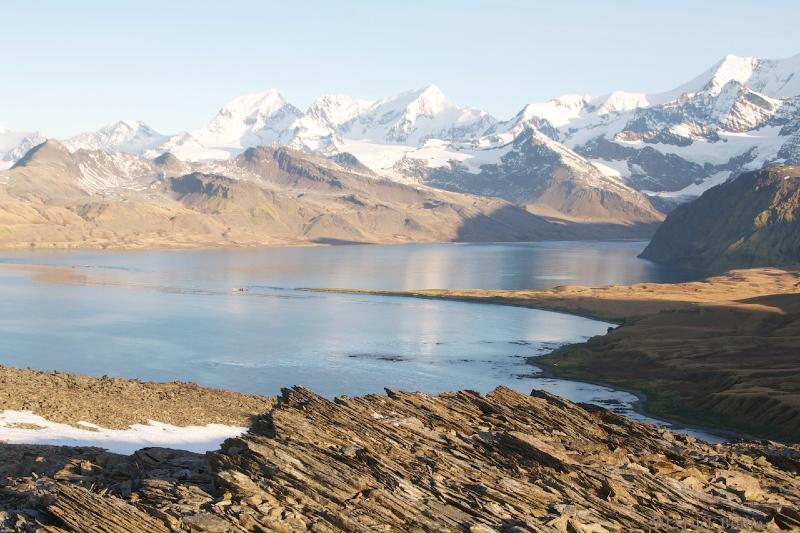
<point>414,462</point>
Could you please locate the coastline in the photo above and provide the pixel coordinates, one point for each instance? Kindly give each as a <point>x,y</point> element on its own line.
<point>639,406</point>
<point>742,310</point>
<point>227,245</point>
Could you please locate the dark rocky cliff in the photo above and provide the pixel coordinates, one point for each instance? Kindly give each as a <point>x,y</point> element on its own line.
<point>753,220</point>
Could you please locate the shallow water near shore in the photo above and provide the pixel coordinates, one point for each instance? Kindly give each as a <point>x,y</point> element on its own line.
<point>173,315</point>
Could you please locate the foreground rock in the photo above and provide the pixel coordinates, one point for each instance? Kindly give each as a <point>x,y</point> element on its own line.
<point>722,353</point>
<point>413,462</point>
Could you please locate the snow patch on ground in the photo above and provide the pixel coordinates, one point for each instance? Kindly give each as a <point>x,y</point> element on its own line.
<point>25,427</point>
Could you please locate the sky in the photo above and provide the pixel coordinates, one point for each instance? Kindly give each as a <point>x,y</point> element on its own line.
<point>75,66</point>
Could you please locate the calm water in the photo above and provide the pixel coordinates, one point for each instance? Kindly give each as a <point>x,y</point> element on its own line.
<point>167,315</point>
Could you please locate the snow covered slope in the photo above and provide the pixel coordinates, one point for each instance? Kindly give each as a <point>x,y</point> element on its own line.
<point>376,132</point>
<point>129,136</point>
<point>249,120</point>
<point>738,115</point>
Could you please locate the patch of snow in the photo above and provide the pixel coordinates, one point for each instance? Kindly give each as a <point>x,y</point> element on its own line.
<point>617,169</point>
<point>695,189</point>
<point>197,439</point>
<point>766,142</point>
<point>377,156</point>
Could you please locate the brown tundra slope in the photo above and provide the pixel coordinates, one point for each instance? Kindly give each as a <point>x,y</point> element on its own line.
<point>266,196</point>
<point>413,462</point>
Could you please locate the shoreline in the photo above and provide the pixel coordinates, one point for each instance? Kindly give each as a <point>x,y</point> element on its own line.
<point>641,302</point>
<point>430,294</point>
<point>638,406</point>
<point>80,246</point>
<point>737,310</point>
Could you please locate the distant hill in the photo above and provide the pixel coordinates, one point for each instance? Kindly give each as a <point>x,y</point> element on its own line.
<point>266,195</point>
<point>753,220</point>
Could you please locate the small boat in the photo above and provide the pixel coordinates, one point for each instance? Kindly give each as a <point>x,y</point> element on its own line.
<point>240,289</point>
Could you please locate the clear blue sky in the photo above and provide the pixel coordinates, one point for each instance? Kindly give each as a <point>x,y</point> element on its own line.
<point>68,66</point>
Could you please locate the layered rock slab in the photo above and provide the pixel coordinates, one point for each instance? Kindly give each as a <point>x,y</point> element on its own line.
<point>415,462</point>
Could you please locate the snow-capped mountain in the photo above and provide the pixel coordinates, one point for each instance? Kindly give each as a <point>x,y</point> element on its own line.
<point>249,120</point>
<point>545,176</point>
<point>318,128</point>
<point>738,115</point>
<point>413,117</point>
<point>15,144</point>
<point>385,131</point>
<point>128,136</point>
<point>774,78</point>
<point>378,133</point>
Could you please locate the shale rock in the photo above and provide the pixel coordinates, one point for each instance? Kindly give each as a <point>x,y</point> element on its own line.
<point>414,462</point>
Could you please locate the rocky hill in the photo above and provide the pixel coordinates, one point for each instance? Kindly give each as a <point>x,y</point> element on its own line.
<point>550,180</point>
<point>412,462</point>
<point>751,221</point>
<point>266,195</point>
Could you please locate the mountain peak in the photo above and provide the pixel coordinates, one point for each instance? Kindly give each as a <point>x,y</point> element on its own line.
<point>337,109</point>
<point>731,68</point>
<point>263,103</point>
<point>50,146</point>
<point>131,124</point>
<point>249,120</point>
<point>49,152</point>
<point>130,136</point>
<point>431,91</point>
<point>428,101</point>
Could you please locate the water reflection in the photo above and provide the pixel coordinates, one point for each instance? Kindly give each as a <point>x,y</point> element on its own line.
<point>489,266</point>
<point>167,315</point>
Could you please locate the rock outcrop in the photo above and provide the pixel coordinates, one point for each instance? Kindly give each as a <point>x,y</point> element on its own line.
<point>413,462</point>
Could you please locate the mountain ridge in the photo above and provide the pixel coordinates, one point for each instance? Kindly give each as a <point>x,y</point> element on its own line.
<point>664,148</point>
<point>268,195</point>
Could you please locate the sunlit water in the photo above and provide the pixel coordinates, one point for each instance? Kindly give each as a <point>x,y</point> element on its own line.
<point>167,315</point>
